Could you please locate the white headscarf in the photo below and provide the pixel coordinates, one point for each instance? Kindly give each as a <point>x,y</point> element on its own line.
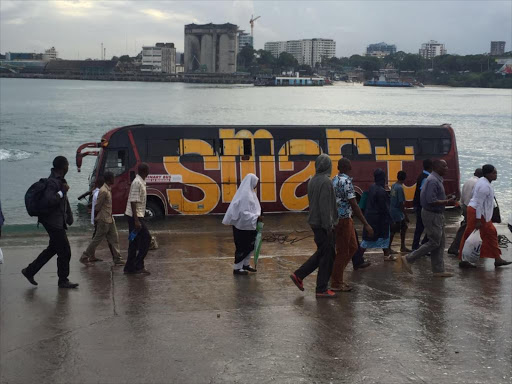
<point>244,210</point>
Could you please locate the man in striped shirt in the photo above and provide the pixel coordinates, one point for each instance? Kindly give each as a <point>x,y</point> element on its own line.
<point>135,212</point>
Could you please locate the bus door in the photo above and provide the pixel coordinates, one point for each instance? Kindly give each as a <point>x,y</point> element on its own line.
<point>116,161</point>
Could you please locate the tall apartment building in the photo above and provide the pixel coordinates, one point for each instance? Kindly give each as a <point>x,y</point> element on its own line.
<point>244,39</point>
<point>307,51</point>
<point>432,49</point>
<point>211,47</point>
<point>380,49</point>
<point>497,48</point>
<point>160,58</point>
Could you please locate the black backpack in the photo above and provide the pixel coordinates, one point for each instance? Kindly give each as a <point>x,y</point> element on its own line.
<point>34,198</point>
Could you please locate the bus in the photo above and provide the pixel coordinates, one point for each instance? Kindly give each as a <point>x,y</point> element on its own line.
<point>196,169</point>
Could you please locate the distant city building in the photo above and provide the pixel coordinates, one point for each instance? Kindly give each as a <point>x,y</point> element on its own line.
<point>497,48</point>
<point>432,49</point>
<point>50,54</point>
<point>380,49</point>
<point>160,58</point>
<point>307,51</point>
<point>23,56</point>
<point>81,67</point>
<point>244,39</point>
<point>180,68</point>
<point>211,48</point>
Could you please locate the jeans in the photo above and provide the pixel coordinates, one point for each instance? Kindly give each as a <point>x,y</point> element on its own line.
<point>59,245</point>
<point>135,260</point>
<point>419,230</point>
<point>322,259</point>
<point>434,226</point>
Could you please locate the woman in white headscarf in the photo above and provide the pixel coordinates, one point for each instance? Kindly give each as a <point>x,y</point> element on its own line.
<point>243,214</point>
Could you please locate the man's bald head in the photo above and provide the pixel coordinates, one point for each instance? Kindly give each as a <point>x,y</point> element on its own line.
<point>478,172</point>
<point>440,167</point>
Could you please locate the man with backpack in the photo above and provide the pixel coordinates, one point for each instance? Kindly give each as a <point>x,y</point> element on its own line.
<point>47,199</point>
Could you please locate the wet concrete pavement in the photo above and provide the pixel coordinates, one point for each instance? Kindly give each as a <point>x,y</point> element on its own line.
<point>192,321</point>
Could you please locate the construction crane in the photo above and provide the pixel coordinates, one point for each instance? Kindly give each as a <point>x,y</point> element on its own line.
<point>253,19</point>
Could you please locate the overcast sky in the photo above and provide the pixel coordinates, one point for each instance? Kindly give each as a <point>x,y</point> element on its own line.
<point>78,27</point>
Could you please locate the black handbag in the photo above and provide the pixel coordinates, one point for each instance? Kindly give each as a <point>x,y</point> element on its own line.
<point>496,217</point>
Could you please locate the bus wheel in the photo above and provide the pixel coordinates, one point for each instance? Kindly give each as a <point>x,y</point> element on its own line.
<point>154,209</point>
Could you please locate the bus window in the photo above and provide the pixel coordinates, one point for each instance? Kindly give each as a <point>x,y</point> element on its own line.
<point>263,147</point>
<point>158,149</point>
<point>247,147</point>
<point>115,161</point>
<point>435,146</point>
<point>399,146</point>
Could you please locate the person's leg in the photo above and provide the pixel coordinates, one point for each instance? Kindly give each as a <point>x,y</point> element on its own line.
<point>328,253</point>
<point>437,254</point>
<point>143,246</point>
<point>100,234</point>
<point>312,263</point>
<point>418,230</point>
<point>489,248</point>
<point>358,260</point>
<point>392,236</point>
<point>434,238</point>
<point>44,256</point>
<point>133,245</point>
<point>470,227</point>
<point>403,233</point>
<point>113,242</point>
<point>343,231</point>
<point>63,256</point>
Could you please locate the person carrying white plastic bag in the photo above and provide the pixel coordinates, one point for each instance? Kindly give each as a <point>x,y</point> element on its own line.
<point>244,212</point>
<point>471,250</point>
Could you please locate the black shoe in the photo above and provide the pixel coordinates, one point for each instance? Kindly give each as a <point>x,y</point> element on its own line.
<point>240,272</point>
<point>29,278</point>
<point>249,268</point>
<point>68,284</point>
<point>362,265</point>
<point>496,264</point>
<point>452,252</point>
<point>466,264</point>
<point>142,271</point>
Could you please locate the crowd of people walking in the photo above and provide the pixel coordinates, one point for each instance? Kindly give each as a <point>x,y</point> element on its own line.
<point>332,206</point>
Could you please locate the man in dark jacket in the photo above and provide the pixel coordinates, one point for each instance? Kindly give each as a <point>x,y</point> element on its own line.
<point>427,170</point>
<point>323,217</point>
<point>55,221</point>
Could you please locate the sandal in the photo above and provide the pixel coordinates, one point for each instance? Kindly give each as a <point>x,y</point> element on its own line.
<point>390,258</point>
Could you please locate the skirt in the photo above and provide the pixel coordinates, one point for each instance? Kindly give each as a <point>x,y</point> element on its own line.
<point>381,242</point>
<point>244,243</point>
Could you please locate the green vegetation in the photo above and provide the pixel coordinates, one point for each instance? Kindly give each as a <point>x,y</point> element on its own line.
<point>450,70</point>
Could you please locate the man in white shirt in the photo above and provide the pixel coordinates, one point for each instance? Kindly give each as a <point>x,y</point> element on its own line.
<point>135,212</point>
<point>465,197</point>
<point>479,215</point>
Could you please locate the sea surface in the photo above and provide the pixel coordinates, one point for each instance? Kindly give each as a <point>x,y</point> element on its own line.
<point>40,119</point>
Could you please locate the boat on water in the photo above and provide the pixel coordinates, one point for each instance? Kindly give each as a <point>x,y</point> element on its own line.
<point>283,81</point>
<point>384,81</point>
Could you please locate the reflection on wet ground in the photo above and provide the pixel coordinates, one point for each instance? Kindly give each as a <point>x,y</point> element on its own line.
<point>192,321</point>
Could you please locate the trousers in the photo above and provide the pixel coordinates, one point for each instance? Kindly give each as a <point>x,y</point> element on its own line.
<point>434,226</point>
<point>322,259</point>
<point>346,246</point>
<point>138,247</point>
<point>106,231</point>
<point>59,245</point>
<point>455,245</point>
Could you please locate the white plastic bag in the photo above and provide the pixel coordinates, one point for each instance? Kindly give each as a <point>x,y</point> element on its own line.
<point>471,250</point>
<point>1,256</point>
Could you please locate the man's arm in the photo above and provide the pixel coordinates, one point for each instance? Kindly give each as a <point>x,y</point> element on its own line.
<point>133,204</point>
<point>359,214</point>
<point>431,191</point>
<point>102,195</point>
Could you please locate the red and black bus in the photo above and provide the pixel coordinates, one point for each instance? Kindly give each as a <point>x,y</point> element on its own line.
<point>196,169</point>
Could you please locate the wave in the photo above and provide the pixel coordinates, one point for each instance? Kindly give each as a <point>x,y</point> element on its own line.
<point>13,154</point>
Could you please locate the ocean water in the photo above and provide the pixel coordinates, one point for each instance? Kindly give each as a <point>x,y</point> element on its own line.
<point>40,119</point>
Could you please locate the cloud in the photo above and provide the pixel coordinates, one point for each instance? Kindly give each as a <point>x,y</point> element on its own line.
<point>16,21</point>
<point>158,15</point>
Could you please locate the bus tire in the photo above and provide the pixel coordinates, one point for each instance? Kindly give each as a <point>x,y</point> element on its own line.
<point>154,208</point>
